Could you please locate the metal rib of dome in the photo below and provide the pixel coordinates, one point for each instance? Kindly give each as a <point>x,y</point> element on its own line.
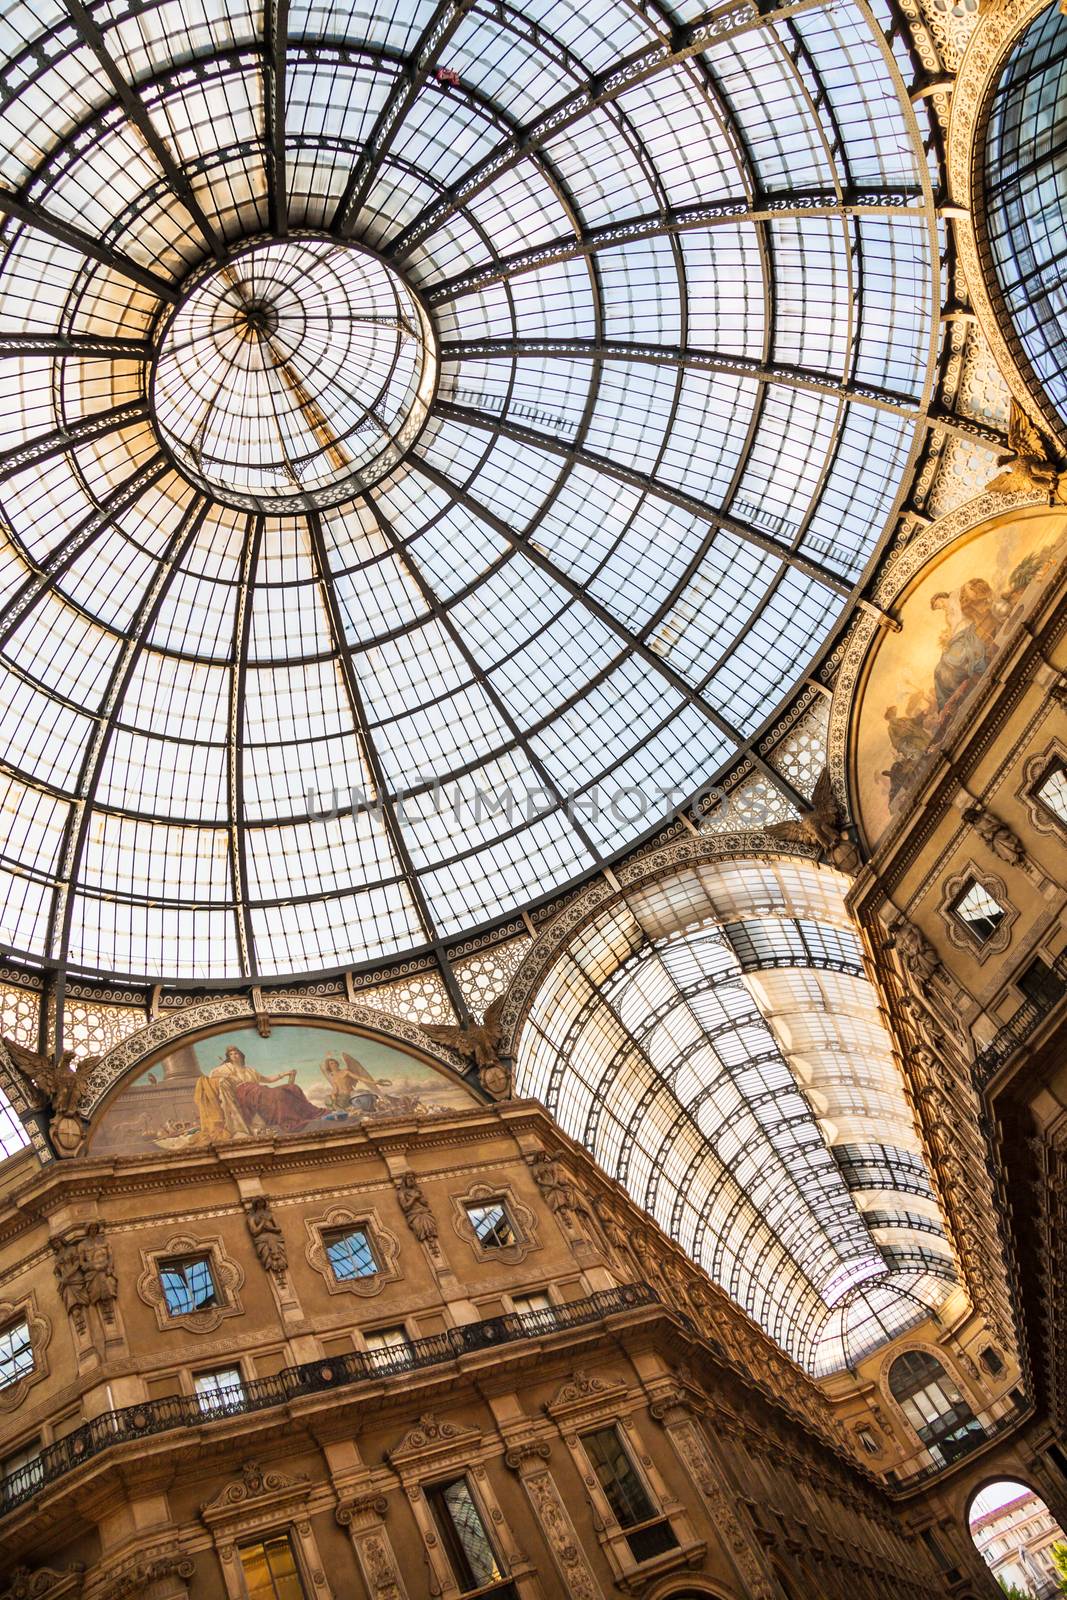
<point>527,563</point>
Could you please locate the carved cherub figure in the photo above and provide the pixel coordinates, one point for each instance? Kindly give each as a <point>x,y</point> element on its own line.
<point>59,1086</point>
<point>824,826</point>
<point>478,1041</point>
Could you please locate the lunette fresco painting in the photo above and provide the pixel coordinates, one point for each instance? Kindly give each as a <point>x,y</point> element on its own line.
<point>966,603</point>
<point>237,1085</point>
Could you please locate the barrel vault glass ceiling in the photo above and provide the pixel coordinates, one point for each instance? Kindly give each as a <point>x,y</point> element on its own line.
<point>471,399</point>
<point>713,1040</point>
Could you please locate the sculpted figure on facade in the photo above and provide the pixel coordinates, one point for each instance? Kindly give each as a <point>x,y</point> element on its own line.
<point>996,835</point>
<point>917,955</point>
<point>70,1279</point>
<point>267,1240</point>
<point>85,1273</point>
<point>558,1192</point>
<point>416,1208</point>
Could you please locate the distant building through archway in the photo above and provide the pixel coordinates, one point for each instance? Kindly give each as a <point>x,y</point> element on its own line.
<point>1017,1537</point>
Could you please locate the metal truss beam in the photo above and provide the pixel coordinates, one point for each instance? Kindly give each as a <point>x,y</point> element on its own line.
<point>74,344</point>
<point>33,215</point>
<point>62,439</point>
<point>276,38</point>
<point>92,38</point>
<point>787,205</point>
<point>46,574</point>
<point>446,18</point>
<point>669,50</point>
<point>170,563</point>
<point>647,484</point>
<point>238,847</point>
<point>825,383</point>
<point>361,723</point>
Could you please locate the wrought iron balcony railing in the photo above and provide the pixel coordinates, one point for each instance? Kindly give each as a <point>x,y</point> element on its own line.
<point>130,1423</point>
<point>1026,1020</point>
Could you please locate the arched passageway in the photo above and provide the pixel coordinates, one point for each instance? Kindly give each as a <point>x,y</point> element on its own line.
<point>1019,1540</point>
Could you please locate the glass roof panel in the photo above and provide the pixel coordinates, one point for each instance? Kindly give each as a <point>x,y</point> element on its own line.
<point>713,1041</point>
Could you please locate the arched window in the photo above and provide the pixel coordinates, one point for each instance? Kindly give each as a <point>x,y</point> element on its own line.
<point>934,1406</point>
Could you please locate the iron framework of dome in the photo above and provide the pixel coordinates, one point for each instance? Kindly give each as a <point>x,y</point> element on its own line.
<point>554,493</point>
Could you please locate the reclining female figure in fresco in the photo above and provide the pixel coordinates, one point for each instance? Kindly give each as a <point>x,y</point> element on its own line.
<point>233,1095</point>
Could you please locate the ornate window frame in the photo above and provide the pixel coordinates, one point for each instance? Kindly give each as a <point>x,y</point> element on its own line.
<point>960,935</point>
<point>522,1219</point>
<point>1041,818</point>
<point>262,1503</point>
<point>40,1332</point>
<point>227,1273</point>
<point>385,1245</point>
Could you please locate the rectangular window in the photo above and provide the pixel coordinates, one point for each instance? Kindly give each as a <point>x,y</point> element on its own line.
<point>980,914</point>
<point>23,1470</point>
<point>188,1285</point>
<point>1051,790</point>
<point>627,1495</point>
<point>648,1533</point>
<point>492,1226</point>
<point>16,1353</point>
<point>526,1304</point>
<point>349,1253</point>
<point>466,1538</point>
<point>269,1570</point>
<point>388,1348</point>
<point>1042,986</point>
<point>221,1392</point>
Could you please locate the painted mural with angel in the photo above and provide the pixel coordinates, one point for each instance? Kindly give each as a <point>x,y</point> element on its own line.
<point>957,615</point>
<point>235,1084</point>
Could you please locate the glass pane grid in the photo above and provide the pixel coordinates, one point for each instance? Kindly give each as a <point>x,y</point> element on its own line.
<point>261,452</point>
<point>351,1255</point>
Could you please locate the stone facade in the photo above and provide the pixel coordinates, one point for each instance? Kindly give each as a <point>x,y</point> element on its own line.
<point>147,1485</point>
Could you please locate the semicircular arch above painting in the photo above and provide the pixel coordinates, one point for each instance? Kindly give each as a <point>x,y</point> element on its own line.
<point>959,611</point>
<point>232,1083</point>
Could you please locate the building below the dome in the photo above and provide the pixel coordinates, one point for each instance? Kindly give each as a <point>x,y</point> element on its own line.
<point>426,1356</point>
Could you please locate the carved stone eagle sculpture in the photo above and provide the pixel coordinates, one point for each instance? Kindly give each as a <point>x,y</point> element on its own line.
<point>478,1041</point>
<point>822,826</point>
<point>60,1087</point>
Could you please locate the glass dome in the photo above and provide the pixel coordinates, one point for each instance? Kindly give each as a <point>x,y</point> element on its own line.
<point>1025,206</point>
<point>437,439</point>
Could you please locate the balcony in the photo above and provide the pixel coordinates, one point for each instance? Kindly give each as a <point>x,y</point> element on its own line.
<point>131,1423</point>
<point>1029,1017</point>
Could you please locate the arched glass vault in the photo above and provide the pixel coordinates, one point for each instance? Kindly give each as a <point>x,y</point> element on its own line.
<point>644,359</point>
<point>713,1041</point>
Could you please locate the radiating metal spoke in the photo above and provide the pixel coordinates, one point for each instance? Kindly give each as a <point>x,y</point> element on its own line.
<point>132,104</point>
<point>275,42</point>
<point>634,642</point>
<point>402,96</point>
<point>75,833</point>
<point>902,405</point>
<point>88,345</point>
<point>690,39</point>
<point>34,215</point>
<point>46,575</point>
<point>62,439</point>
<point>649,485</point>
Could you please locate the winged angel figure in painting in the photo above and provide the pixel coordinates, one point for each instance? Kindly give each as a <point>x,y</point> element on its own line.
<point>480,1043</point>
<point>59,1086</point>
